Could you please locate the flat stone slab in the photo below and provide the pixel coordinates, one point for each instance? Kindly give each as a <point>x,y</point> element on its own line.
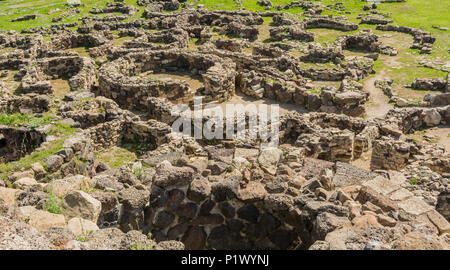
<point>400,195</point>
<point>396,178</point>
<point>348,175</point>
<point>382,185</point>
<point>439,221</point>
<point>415,206</point>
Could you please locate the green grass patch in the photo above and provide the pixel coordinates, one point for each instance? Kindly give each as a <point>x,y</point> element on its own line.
<point>53,205</point>
<point>216,4</point>
<point>20,119</point>
<point>46,10</point>
<point>116,157</point>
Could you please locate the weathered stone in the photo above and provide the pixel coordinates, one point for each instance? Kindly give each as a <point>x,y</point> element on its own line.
<point>42,220</point>
<point>79,226</point>
<point>175,197</point>
<point>253,192</point>
<point>163,219</point>
<point>226,189</point>
<point>345,239</point>
<point>62,187</point>
<point>268,159</point>
<point>107,183</point>
<point>168,175</point>
<point>194,238</point>
<point>369,194</point>
<point>414,206</point>
<point>208,219</point>
<point>431,117</point>
<point>227,209</point>
<point>326,222</point>
<point>248,212</point>
<point>382,185</point>
<point>186,210</point>
<point>439,221</point>
<point>170,245</point>
<point>80,204</point>
<point>8,195</point>
<point>416,241</point>
<point>25,182</point>
<point>54,163</point>
<point>199,189</point>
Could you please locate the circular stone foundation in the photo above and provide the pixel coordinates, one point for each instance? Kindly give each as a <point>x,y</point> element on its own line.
<point>120,80</point>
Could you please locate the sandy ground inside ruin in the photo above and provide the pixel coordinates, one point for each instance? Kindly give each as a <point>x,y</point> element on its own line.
<point>363,162</point>
<point>284,108</point>
<point>60,88</point>
<point>195,82</point>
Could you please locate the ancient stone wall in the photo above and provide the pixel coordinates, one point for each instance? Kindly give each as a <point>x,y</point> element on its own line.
<point>114,82</point>
<point>18,142</point>
<point>291,32</point>
<point>81,72</point>
<point>215,215</point>
<point>422,39</point>
<point>389,154</point>
<point>327,136</point>
<point>329,22</point>
<point>365,41</point>
<point>163,40</point>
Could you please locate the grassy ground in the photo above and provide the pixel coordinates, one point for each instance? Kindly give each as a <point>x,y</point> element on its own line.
<point>45,10</point>
<point>115,156</point>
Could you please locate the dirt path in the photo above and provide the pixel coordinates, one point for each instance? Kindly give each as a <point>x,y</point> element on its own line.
<point>378,106</point>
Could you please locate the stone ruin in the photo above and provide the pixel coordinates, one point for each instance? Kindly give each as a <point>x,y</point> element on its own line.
<point>440,85</point>
<point>294,32</point>
<point>18,142</point>
<point>226,194</point>
<point>365,41</point>
<point>80,70</point>
<point>112,7</point>
<point>329,22</point>
<point>422,39</point>
<point>162,40</point>
<point>217,75</point>
<point>435,84</point>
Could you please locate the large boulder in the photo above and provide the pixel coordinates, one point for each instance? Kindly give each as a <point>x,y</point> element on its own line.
<point>80,204</point>
<point>25,182</point>
<point>62,187</point>
<point>268,159</point>
<point>168,175</point>
<point>54,162</point>
<point>431,117</point>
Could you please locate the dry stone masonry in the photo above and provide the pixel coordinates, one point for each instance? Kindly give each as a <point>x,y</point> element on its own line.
<point>88,159</point>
